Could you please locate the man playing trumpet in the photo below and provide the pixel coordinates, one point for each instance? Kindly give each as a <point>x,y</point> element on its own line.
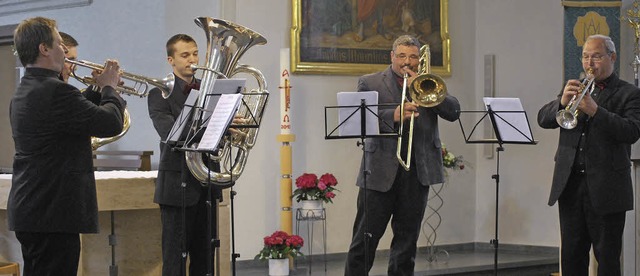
<point>68,70</point>
<point>53,193</point>
<point>592,178</point>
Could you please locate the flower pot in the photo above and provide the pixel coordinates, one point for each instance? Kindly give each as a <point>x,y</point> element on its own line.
<point>278,267</point>
<point>311,208</point>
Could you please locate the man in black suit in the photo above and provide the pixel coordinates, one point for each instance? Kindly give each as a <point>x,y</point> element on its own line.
<point>592,178</point>
<point>53,193</point>
<point>170,194</point>
<point>392,192</point>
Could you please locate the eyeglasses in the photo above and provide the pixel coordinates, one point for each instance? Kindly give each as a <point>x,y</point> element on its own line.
<point>595,57</point>
<point>411,57</point>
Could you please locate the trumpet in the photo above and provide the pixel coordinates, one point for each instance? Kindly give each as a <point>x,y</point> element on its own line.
<point>568,117</point>
<point>141,83</point>
<point>427,90</point>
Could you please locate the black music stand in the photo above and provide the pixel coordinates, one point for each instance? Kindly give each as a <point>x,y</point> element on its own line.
<point>359,114</point>
<point>509,127</point>
<point>176,139</point>
<point>196,132</point>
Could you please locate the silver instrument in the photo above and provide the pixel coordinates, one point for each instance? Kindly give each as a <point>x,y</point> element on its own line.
<point>141,83</point>
<point>568,117</point>
<point>226,43</point>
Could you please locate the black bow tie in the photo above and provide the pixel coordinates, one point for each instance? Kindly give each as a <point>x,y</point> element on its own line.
<point>188,87</point>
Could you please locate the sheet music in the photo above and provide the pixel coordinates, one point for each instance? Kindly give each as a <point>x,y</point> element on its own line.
<point>221,86</point>
<point>178,125</point>
<point>219,121</point>
<point>352,125</point>
<point>518,120</point>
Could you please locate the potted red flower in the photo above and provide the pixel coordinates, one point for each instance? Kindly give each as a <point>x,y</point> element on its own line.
<point>312,191</point>
<point>310,187</point>
<point>278,247</point>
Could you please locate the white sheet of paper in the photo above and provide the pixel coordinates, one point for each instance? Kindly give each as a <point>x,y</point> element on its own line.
<point>352,125</point>
<point>179,124</point>
<point>222,86</point>
<point>517,119</point>
<point>219,121</point>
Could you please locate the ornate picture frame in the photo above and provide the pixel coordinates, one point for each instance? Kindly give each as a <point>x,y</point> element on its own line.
<point>328,38</point>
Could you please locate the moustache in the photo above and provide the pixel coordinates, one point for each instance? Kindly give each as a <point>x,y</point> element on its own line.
<point>408,66</point>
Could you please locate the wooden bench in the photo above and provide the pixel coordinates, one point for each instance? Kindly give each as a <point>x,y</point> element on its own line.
<point>108,160</point>
<point>12,269</point>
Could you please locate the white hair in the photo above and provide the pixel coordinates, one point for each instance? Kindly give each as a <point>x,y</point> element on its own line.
<point>608,43</point>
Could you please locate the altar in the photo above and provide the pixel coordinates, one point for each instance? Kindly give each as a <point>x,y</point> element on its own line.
<point>137,227</point>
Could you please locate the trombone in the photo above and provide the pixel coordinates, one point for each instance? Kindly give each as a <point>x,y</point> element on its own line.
<point>567,118</point>
<point>427,90</point>
<point>141,83</point>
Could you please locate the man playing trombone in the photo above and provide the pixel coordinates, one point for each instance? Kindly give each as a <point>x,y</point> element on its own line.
<point>392,192</point>
<point>600,119</point>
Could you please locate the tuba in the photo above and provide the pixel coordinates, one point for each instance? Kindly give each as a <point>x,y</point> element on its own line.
<point>226,43</point>
<point>427,90</point>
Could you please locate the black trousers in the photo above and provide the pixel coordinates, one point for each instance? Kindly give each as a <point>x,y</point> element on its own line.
<point>50,254</point>
<point>404,204</point>
<point>174,240</point>
<point>581,227</point>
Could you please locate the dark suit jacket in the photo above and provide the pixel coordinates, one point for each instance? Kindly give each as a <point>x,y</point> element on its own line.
<point>53,188</point>
<point>381,152</point>
<point>612,130</point>
<point>163,113</point>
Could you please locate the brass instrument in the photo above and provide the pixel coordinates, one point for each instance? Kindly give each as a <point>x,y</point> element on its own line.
<point>99,142</point>
<point>568,117</point>
<point>165,85</point>
<point>141,83</point>
<point>226,43</point>
<point>427,90</point>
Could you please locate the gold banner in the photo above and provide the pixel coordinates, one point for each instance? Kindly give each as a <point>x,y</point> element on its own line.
<point>585,4</point>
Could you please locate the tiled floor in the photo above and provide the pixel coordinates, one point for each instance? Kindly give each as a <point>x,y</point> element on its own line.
<point>461,261</point>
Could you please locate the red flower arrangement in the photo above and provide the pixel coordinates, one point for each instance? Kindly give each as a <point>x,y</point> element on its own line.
<point>280,245</point>
<point>309,187</point>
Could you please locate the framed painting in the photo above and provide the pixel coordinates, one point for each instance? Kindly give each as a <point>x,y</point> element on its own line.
<point>355,37</point>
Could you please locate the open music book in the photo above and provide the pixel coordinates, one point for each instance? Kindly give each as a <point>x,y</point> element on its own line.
<point>219,121</point>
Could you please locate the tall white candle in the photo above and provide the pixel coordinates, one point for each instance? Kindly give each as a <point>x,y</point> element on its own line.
<point>285,92</point>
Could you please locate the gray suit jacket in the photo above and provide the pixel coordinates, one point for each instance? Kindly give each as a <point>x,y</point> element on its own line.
<point>380,153</point>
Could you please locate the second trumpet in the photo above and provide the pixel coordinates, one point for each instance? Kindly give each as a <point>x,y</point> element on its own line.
<point>567,118</point>
<point>141,83</point>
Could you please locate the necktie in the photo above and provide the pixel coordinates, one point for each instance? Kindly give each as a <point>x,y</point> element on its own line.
<point>188,87</point>
<point>601,85</point>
